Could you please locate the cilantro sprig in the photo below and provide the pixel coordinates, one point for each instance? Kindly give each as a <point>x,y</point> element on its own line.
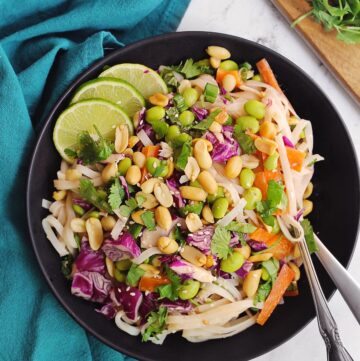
<point>220,243</point>
<point>156,323</point>
<point>92,195</point>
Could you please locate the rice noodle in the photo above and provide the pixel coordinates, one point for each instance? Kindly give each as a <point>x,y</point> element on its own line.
<point>215,316</point>
<point>45,203</point>
<point>309,137</point>
<point>113,158</point>
<point>64,166</point>
<point>252,215</point>
<point>88,172</point>
<point>237,211</point>
<point>229,287</point>
<point>119,226</point>
<point>286,223</point>
<point>144,139</point>
<point>290,191</point>
<point>297,131</point>
<point>54,240</point>
<point>209,289</point>
<point>146,254</point>
<point>301,181</point>
<point>131,330</point>
<point>208,306</point>
<point>216,332</point>
<point>202,80</point>
<point>56,207</point>
<point>62,216</point>
<point>68,234</point>
<point>250,89</point>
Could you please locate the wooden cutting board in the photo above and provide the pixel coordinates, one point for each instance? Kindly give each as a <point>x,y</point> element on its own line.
<point>343,60</point>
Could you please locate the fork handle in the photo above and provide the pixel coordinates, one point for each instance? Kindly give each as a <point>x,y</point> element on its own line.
<point>327,325</point>
<point>344,282</point>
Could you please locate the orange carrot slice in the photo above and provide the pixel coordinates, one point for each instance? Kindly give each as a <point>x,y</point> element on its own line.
<point>296,158</point>
<point>281,284</point>
<point>267,74</point>
<point>283,247</point>
<point>148,151</point>
<point>220,74</point>
<point>150,283</point>
<point>261,235</point>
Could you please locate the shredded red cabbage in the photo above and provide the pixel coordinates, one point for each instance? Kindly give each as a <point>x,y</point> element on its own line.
<point>288,142</point>
<point>257,246</point>
<point>83,204</point>
<point>200,113</point>
<point>174,188</point>
<point>245,269</point>
<point>130,298</point>
<point>222,151</point>
<point>122,248</point>
<point>125,185</point>
<point>89,260</point>
<point>107,310</point>
<point>202,239</point>
<point>179,305</point>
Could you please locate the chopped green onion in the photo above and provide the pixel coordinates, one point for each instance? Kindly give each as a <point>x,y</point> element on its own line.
<point>211,92</point>
<point>180,102</point>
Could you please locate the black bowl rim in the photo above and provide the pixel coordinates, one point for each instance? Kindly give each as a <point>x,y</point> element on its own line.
<point>103,62</point>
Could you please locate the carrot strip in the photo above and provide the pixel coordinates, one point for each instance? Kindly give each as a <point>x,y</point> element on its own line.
<point>267,74</point>
<point>150,283</point>
<point>296,158</point>
<point>220,74</point>
<point>281,284</point>
<point>282,249</point>
<point>262,179</point>
<point>261,235</point>
<point>148,151</point>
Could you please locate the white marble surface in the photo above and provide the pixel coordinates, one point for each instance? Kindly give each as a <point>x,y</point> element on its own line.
<point>259,21</point>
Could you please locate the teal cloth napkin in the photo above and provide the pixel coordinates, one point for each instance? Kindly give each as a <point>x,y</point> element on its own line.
<point>44,45</point>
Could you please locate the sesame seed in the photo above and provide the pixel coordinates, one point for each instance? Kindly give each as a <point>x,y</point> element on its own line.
<point>132,294</point>
<point>127,289</point>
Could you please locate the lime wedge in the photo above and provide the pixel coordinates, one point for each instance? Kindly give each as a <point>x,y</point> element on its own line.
<point>117,91</point>
<point>82,116</point>
<point>144,79</point>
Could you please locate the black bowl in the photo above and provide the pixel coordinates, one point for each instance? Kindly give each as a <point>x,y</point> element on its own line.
<point>336,199</point>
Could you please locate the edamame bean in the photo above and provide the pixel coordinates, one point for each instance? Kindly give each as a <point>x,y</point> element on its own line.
<point>248,122</point>
<point>189,289</point>
<point>119,276</point>
<point>172,133</point>
<point>161,128</point>
<point>247,177</point>
<point>252,196</point>
<point>255,108</point>
<point>257,77</point>
<point>123,265</point>
<point>190,96</point>
<point>182,138</point>
<point>186,118</point>
<point>211,198</point>
<point>271,161</point>
<point>155,113</point>
<point>219,208</point>
<point>264,274</point>
<point>124,165</point>
<point>229,65</point>
<point>275,228</point>
<point>152,164</point>
<point>93,214</point>
<point>78,210</point>
<point>232,263</point>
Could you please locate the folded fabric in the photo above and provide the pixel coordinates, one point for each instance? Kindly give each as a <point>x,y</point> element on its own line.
<point>44,45</point>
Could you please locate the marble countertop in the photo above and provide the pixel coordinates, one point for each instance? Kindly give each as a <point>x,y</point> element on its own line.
<point>238,17</point>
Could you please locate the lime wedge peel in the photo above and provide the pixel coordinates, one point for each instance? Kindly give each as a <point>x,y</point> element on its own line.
<point>145,80</point>
<point>82,116</point>
<point>117,91</point>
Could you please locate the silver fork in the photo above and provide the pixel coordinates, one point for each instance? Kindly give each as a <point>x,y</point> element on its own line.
<point>327,325</point>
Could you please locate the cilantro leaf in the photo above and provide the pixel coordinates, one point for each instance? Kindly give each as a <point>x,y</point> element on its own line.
<point>179,102</point>
<point>156,323</point>
<point>92,195</point>
<point>149,220</point>
<point>276,195</point>
<point>240,227</point>
<point>245,141</point>
<point>191,208</point>
<point>169,78</point>
<point>70,153</point>
<point>191,69</point>
<point>134,274</point>
<point>220,242</point>
<point>66,265</point>
<point>173,114</point>
<point>181,158</point>
<point>130,205</point>
<point>309,236</point>
<point>135,230</point>
<point>171,290</point>
<point>177,234</point>
<point>205,124</point>
<point>91,151</point>
<point>140,198</point>
<point>116,195</point>
<point>264,209</point>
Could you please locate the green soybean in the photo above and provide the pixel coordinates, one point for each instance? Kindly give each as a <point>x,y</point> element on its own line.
<point>155,113</point>
<point>232,263</point>
<point>93,214</point>
<point>219,207</point>
<point>212,197</point>
<point>252,196</point>
<point>248,122</point>
<point>264,274</point>
<point>255,108</point>
<point>247,177</point>
<point>229,65</point>
<point>257,77</point>
<point>189,289</point>
<point>172,133</point>
<point>151,164</point>
<point>186,118</point>
<point>124,165</point>
<point>271,161</point>
<point>119,276</point>
<point>78,210</point>
<point>275,228</point>
<point>182,138</point>
<point>123,265</point>
<point>190,96</point>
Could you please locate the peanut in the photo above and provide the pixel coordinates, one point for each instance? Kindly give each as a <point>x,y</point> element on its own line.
<point>233,167</point>
<point>193,255</point>
<point>265,145</point>
<point>207,214</point>
<point>108,223</point>
<point>163,195</point>
<point>167,245</point>
<point>202,155</point>
<point>193,222</point>
<point>109,172</point>
<point>163,218</point>
<point>133,175</point>
<point>121,138</point>
<point>95,233</point>
<point>193,193</point>
<point>218,52</point>
<point>207,182</point>
<point>251,282</point>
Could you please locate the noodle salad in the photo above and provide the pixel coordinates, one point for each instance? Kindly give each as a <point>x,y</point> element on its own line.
<point>188,216</point>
